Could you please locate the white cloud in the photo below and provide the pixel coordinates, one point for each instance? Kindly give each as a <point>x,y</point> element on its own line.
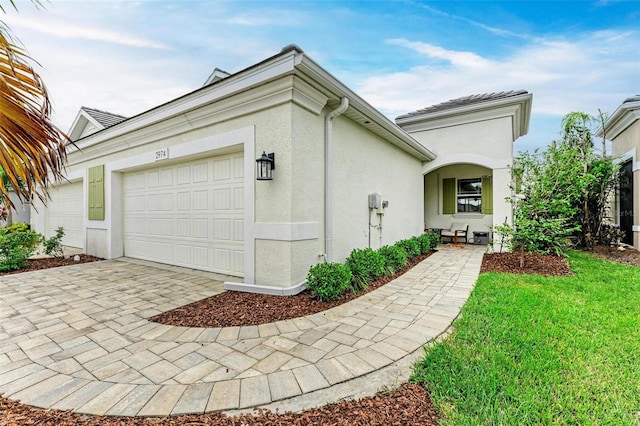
<point>594,70</point>
<point>70,30</point>
<point>564,75</point>
<point>457,58</point>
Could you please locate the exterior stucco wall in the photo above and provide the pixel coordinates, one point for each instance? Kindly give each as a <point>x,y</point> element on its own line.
<point>626,146</point>
<point>365,164</point>
<point>490,138</point>
<point>307,189</point>
<point>627,140</point>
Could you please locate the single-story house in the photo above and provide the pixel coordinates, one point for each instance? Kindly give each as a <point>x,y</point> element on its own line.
<point>179,184</point>
<point>622,128</point>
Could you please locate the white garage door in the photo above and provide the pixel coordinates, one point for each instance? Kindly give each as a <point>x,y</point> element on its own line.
<point>65,208</point>
<point>189,214</point>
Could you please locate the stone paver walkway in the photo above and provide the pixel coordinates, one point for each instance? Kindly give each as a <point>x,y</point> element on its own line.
<point>77,338</point>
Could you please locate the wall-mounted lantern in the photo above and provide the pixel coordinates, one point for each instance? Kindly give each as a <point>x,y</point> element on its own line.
<point>266,163</point>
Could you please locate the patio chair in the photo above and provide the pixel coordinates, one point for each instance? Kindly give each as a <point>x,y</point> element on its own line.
<point>456,232</point>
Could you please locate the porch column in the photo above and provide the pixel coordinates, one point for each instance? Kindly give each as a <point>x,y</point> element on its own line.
<point>501,208</point>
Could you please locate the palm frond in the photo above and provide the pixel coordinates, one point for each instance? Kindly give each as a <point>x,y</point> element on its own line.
<point>32,148</point>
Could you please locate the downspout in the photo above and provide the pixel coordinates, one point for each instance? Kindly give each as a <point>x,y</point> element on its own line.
<point>328,193</point>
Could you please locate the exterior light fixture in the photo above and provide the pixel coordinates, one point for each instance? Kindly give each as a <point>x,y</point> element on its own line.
<point>266,163</point>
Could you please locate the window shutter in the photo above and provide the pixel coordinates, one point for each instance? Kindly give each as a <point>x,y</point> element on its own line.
<point>96,193</point>
<point>449,196</point>
<point>487,195</point>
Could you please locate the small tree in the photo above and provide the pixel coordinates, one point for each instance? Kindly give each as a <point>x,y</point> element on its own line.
<point>563,192</point>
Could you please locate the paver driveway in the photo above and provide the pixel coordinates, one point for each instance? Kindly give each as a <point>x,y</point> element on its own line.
<point>77,338</point>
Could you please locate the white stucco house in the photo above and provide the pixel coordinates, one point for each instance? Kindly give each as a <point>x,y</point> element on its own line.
<point>622,128</point>
<point>178,184</point>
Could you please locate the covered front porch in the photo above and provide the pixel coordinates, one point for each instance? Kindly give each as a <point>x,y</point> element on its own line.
<point>467,194</point>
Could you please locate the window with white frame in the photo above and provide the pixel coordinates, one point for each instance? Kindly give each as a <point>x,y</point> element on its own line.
<point>469,195</point>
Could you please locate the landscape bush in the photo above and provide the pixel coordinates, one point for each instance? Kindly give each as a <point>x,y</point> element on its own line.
<point>16,227</point>
<point>366,265</point>
<point>53,246</point>
<point>411,246</point>
<point>395,258</point>
<point>428,241</point>
<point>327,281</point>
<point>16,247</point>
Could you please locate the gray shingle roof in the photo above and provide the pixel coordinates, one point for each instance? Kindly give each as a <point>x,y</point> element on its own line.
<point>464,101</point>
<point>106,119</point>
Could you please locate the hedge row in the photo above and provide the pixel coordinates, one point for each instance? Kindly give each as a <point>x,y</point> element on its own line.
<point>327,281</point>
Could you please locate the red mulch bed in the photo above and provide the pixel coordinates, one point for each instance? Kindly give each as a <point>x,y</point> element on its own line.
<point>234,308</point>
<point>627,256</point>
<point>52,262</point>
<point>410,404</point>
<point>534,263</point>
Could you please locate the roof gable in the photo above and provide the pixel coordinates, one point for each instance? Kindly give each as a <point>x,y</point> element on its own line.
<point>90,120</point>
<point>216,75</point>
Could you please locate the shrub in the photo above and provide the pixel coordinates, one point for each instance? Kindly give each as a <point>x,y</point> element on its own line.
<point>53,245</point>
<point>16,247</point>
<point>16,227</point>
<point>327,281</point>
<point>395,258</point>
<point>366,265</point>
<point>411,246</point>
<point>428,241</point>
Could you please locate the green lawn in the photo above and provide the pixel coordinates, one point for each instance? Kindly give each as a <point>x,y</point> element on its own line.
<point>542,350</point>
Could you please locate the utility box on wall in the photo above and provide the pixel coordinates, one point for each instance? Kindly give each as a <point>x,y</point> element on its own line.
<point>481,238</point>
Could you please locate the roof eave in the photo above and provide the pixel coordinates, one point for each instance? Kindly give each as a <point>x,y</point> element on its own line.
<point>521,114</point>
<point>623,117</point>
<point>371,118</point>
<point>291,60</point>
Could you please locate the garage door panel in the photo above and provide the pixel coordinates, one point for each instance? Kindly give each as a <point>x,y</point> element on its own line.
<point>238,198</point>
<point>196,208</point>
<point>200,200</point>
<point>238,260</point>
<point>200,172</point>
<point>66,209</point>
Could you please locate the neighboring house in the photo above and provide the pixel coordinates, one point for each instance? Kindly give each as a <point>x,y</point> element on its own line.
<point>623,129</point>
<point>178,184</point>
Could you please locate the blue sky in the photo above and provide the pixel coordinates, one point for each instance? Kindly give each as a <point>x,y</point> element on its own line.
<point>126,57</point>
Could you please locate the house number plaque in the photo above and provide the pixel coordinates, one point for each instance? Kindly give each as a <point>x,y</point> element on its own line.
<point>162,154</point>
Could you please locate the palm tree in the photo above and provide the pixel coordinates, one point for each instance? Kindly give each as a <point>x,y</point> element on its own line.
<point>32,148</point>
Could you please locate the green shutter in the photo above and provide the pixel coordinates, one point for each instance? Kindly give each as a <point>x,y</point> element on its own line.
<point>96,193</point>
<point>487,195</point>
<point>449,196</point>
